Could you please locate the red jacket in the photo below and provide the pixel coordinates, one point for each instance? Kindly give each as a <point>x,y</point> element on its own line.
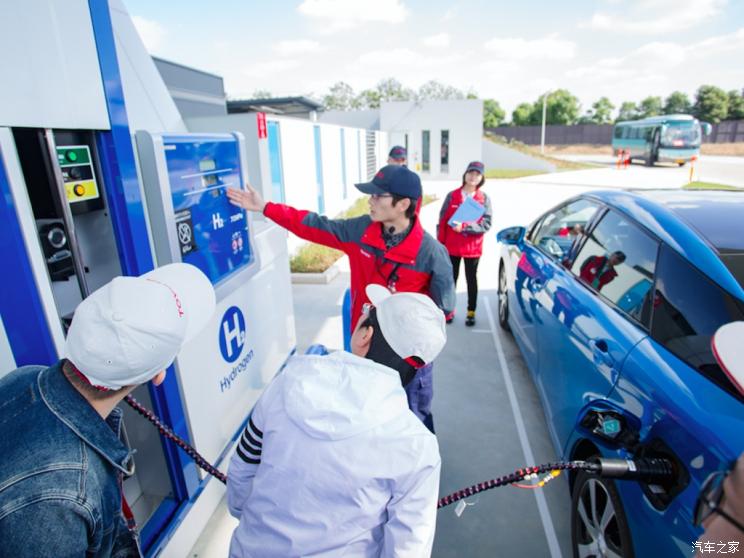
<point>597,272</point>
<point>418,264</point>
<point>469,242</point>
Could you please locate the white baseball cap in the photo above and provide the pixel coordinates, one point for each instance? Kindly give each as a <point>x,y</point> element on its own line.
<point>728,348</point>
<point>133,327</point>
<point>411,323</point>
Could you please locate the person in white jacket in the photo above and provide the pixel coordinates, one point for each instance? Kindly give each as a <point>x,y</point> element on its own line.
<point>332,461</point>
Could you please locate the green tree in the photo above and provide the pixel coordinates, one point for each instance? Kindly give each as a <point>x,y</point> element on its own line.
<point>735,105</point>
<point>677,103</point>
<point>493,114</point>
<point>340,97</point>
<point>391,89</point>
<point>522,115</point>
<point>711,104</point>
<point>601,112</point>
<point>650,106</point>
<point>369,99</point>
<point>628,111</point>
<point>262,94</point>
<point>562,108</point>
<point>437,91</point>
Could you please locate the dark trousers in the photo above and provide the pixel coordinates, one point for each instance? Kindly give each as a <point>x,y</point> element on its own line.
<point>471,276</point>
<point>420,392</point>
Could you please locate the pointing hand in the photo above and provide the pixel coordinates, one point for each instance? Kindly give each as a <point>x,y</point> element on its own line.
<point>248,199</point>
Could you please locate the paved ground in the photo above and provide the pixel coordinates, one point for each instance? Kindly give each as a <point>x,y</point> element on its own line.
<point>710,168</point>
<point>487,413</point>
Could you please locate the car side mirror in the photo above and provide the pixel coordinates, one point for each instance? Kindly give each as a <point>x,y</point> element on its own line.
<point>511,235</point>
<point>707,128</point>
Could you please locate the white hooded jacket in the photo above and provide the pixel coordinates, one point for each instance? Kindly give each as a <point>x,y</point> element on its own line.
<point>333,463</point>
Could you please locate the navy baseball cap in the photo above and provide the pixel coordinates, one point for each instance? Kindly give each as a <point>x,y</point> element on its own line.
<point>393,179</point>
<point>398,153</point>
<point>475,166</point>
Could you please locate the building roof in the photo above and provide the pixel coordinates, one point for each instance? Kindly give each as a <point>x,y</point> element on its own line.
<point>275,105</point>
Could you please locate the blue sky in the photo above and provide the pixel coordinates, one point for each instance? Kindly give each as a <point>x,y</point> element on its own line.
<point>509,51</point>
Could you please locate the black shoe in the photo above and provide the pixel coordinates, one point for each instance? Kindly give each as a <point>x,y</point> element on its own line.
<point>449,318</point>
<point>470,319</point>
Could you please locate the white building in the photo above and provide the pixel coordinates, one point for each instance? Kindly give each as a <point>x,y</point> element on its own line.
<point>441,137</point>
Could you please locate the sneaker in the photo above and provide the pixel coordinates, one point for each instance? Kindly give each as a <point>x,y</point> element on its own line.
<point>449,317</point>
<point>470,319</point>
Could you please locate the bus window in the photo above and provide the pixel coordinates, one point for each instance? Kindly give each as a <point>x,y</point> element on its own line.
<point>682,134</point>
<point>619,132</point>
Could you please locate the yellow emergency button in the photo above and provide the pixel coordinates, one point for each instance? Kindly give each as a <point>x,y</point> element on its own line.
<point>79,190</point>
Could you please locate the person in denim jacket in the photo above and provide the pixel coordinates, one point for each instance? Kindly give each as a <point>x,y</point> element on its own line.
<point>63,460</point>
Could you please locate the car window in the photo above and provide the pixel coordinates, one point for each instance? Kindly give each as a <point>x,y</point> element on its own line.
<point>558,229</point>
<point>688,308</point>
<point>618,260</point>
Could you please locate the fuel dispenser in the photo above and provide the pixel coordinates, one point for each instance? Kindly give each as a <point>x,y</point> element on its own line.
<point>82,202</point>
<point>220,374</point>
<point>223,371</point>
<point>61,177</point>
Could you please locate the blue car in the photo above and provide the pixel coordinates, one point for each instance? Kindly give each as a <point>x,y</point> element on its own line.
<point>612,298</point>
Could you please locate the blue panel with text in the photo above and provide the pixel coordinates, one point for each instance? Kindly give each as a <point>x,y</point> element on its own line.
<point>212,234</point>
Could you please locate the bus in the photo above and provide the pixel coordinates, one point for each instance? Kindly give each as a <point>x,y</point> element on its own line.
<point>672,138</point>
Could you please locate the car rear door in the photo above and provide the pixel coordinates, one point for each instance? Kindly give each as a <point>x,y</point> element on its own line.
<point>591,316</point>
<point>685,405</point>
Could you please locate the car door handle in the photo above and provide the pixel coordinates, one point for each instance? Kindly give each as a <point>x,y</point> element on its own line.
<point>601,352</point>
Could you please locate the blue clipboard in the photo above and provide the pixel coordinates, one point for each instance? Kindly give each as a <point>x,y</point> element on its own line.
<point>468,212</point>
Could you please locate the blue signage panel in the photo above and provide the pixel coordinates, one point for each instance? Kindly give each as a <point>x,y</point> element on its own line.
<point>212,233</point>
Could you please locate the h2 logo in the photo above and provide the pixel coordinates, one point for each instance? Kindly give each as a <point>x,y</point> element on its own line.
<point>232,334</point>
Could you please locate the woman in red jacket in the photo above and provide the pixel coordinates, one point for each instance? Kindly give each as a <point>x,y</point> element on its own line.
<point>464,240</point>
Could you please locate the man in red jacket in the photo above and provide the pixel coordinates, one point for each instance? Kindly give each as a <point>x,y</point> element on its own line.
<point>388,247</point>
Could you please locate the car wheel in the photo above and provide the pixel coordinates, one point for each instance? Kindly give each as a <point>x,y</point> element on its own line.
<point>503,300</point>
<point>599,528</point>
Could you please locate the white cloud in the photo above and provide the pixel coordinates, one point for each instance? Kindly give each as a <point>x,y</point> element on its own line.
<point>299,46</point>
<point>441,40</point>
<point>548,48</point>
<point>150,31</point>
<point>718,46</point>
<point>656,16</point>
<point>449,14</point>
<point>339,15</point>
<point>269,68</point>
<point>409,58</point>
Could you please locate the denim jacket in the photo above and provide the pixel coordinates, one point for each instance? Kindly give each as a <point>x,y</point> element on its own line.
<point>61,467</point>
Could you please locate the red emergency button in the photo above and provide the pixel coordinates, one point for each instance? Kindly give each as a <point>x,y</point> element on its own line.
<point>79,190</point>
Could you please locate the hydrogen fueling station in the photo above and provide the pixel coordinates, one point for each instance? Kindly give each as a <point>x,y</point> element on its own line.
<point>103,173</point>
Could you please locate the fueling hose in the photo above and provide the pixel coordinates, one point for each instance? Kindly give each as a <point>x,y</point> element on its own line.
<point>647,469</point>
<point>176,439</point>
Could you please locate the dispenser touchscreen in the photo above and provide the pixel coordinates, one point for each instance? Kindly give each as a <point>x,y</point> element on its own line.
<point>212,234</point>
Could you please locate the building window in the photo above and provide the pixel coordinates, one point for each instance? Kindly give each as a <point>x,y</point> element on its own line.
<point>425,158</point>
<point>444,162</point>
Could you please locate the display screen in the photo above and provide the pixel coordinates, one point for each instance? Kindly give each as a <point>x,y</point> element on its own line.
<point>212,233</point>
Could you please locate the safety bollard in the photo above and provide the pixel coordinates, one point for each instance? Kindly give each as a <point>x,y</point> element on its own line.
<point>692,168</point>
<point>346,319</point>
